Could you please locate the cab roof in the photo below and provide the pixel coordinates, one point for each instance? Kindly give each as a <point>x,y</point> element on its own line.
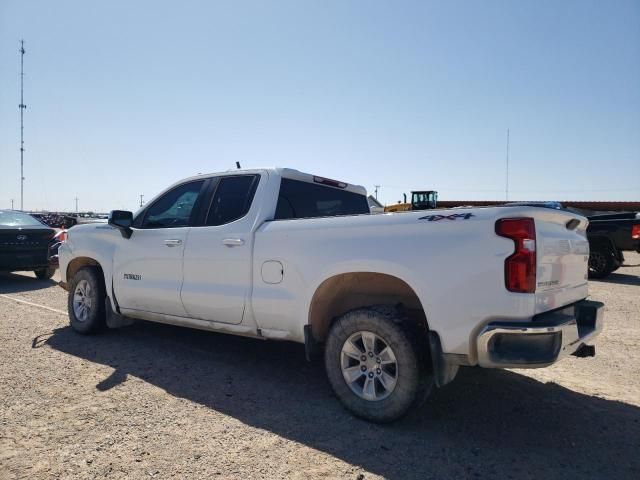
<point>294,174</point>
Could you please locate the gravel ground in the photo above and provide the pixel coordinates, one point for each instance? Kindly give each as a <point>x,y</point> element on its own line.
<point>159,401</point>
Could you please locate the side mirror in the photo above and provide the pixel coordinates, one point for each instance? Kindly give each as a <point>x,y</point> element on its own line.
<point>122,220</point>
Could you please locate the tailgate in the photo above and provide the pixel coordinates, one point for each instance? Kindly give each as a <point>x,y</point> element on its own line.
<point>24,239</point>
<point>562,252</point>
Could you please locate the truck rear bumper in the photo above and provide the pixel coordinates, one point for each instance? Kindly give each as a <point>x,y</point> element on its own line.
<point>543,341</point>
<point>19,261</point>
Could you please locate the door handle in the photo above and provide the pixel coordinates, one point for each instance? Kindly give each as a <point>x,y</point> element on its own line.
<point>173,242</point>
<point>233,242</point>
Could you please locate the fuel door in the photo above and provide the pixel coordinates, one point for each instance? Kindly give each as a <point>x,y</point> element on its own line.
<point>272,272</point>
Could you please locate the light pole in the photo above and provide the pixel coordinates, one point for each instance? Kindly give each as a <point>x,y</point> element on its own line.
<point>507,180</point>
<point>22,106</point>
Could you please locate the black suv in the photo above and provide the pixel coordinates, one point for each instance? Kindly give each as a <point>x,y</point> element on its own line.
<point>24,244</point>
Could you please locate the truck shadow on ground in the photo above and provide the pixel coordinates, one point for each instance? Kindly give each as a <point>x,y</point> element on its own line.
<point>620,279</point>
<point>500,423</point>
<point>16,283</point>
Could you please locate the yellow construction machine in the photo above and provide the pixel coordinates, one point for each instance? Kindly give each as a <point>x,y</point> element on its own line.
<point>420,200</point>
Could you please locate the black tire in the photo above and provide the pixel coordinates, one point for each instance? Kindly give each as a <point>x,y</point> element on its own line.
<point>45,273</point>
<point>413,377</point>
<point>602,261</point>
<point>94,316</point>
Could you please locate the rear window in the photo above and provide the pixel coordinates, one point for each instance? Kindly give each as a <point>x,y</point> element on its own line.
<point>307,200</point>
<point>18,219</point>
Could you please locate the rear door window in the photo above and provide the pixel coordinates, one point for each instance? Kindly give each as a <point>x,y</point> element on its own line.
<point>232,199</point>
<point>307,200</point>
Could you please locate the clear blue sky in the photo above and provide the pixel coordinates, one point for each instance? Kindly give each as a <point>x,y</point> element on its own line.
<point>126,97</point>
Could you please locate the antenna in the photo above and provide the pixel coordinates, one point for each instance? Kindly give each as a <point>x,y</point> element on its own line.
<point>376,191</point>
<point>238,165</point>
<point>141,201</point>
<point>12,204</point>
<point>507,185</point>
<point>22,106</point>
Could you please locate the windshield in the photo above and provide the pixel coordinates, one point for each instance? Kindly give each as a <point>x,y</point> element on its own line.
<point>17,219</point>
<point>424,198</point>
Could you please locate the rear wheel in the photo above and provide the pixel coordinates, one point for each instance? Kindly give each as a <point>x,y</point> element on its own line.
<point>45,273</point>
<point>602,261</point>
<point>375,367</point>
<point>86,301</point>
<point>619,261</point>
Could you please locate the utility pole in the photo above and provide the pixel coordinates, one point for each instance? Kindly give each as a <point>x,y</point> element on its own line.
<point>376,191</point>
<point>507,185</point>
<point>76,199</point>
<point>141,201</point>
<point>22,106</point>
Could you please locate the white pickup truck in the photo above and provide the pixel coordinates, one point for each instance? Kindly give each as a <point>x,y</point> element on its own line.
<point>397,301</point>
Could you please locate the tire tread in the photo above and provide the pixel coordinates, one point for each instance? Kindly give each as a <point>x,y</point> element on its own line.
<point>97,319</point>
<point>392,323</point>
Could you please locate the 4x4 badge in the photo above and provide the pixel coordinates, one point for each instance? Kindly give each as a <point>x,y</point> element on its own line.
<point>453,216</point>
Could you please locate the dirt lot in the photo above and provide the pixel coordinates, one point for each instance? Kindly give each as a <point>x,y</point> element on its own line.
<point>158,401</point>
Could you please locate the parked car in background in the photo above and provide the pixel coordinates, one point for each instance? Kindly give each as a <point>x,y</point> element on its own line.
<point>397,302</point>
<point>25,244</point>
<point>374,205</point>
<point>609,236</point>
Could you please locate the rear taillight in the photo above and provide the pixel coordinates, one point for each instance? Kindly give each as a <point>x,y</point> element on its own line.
<point>520,267</point>
<point>61,236</point>
<point>635,231</point>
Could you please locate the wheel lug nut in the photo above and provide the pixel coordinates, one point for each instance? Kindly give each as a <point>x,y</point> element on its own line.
<point>370,374</point>
<point>378,371</point>
<point>363,368</point>
<point>363,358</point>
<point>378,360</point>
<point>371,354</point>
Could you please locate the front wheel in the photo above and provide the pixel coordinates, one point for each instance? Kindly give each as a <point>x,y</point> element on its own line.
<point>45,273</point>
<point>86,301</point>
<point>375,367</point>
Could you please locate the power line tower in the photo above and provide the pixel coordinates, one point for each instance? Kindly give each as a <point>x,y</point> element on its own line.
<point>22,106</point>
